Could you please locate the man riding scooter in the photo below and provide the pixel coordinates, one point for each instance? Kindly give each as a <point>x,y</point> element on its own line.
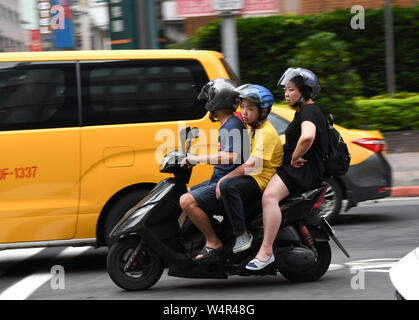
<point>221,102</point>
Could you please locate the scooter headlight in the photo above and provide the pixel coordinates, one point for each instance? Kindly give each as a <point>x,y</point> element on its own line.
<point>131,220</point>
<point>139,213</point>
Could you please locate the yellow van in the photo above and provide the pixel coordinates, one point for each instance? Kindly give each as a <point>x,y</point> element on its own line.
<point>79,133</point>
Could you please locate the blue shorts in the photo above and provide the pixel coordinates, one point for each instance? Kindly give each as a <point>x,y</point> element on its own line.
<point>204,195</point>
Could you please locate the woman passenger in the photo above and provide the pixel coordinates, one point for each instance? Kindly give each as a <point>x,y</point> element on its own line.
<point>303,168</point>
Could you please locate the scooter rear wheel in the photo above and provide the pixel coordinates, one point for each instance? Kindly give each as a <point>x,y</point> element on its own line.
<point>145,271</point>
<point>317,270</point>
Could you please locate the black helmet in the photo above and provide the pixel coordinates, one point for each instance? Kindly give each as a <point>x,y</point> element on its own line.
<point>306,81</point>
<point>219,94</point>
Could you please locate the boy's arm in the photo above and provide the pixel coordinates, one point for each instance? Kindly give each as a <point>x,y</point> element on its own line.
<point>221,158</point>
<point>245,168</point>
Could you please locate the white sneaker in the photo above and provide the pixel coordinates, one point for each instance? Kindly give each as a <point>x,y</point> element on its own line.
<point>257,264</point>
<point>243,242</point>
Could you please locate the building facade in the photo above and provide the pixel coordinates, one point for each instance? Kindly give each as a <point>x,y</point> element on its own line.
<point>192,23</point>
<point>11,35</point>
<point>91,24</point>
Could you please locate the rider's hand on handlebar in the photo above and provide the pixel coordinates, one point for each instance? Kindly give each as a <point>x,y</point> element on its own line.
<point>190,160</point>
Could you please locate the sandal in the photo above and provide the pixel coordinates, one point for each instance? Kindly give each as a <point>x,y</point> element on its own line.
<point>208,254</point>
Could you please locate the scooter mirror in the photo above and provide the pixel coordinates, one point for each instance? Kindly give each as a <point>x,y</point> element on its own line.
<point>192,134</point>
<point>195,132</point>
<point>183,135</point>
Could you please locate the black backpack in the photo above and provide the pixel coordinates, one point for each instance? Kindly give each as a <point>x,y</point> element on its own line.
<point>337,159</point>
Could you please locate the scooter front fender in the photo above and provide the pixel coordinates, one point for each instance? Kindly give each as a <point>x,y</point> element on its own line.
<point>164,192</point>
<point>331,233</point>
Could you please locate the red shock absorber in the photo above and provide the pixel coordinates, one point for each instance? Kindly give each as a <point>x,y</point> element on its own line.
<point>305,234</point>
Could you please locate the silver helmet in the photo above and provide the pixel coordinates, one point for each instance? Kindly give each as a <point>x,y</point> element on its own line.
<point>219,94</point>
<point>302,77</point>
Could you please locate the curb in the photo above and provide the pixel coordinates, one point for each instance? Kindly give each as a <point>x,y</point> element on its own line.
<point>411,191</point>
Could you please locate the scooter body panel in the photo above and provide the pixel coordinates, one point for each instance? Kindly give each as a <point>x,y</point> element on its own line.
<point>157,212</point>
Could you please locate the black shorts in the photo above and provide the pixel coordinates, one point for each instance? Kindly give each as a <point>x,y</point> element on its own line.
<point>204,195</point>
<point>298,180</point>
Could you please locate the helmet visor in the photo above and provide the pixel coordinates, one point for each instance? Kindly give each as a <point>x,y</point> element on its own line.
<point>203,95</point>
<point>288,75</point>
<point>251,94</point>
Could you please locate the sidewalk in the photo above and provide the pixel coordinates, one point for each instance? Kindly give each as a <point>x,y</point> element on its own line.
<point>405,170</point>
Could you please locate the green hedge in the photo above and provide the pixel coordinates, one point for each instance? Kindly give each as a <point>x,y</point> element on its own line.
<point>266,45</point>
<point>387,114</point>
<point>330,59</point>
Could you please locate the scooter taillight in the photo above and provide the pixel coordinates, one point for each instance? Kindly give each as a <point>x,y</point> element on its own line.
<point>320,200</point>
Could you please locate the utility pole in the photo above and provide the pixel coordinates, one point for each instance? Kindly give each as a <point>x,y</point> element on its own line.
<point>147,26</point>
<point>226,10</point>
<point>229,42</point>
<point>389,36</point>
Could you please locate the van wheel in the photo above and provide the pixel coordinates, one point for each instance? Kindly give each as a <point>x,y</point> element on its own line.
<point>333,201</point>
<point>118,209</point>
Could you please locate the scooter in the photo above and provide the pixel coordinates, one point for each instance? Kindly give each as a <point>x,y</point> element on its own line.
<point>155,234</point>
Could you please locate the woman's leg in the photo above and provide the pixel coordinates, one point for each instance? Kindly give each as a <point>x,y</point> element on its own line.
<point>275,191</point>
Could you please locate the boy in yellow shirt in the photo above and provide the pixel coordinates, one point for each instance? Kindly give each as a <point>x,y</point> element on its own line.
<point>249,180</point>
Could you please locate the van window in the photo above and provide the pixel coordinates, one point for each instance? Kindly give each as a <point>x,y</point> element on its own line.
<point>117,92</point>
<point>37,95</point>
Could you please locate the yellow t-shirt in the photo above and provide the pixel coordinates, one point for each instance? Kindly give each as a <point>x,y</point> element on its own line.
<point>265,144</point>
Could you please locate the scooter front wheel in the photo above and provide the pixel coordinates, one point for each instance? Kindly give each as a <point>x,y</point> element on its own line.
<point>144,270</point>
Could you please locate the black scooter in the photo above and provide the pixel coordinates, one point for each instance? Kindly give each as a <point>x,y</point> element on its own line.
<point>155,233</point>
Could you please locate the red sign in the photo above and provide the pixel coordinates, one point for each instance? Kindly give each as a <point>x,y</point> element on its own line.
<point>260,6</point>
<point>195,8</point>
<point>36,44</point>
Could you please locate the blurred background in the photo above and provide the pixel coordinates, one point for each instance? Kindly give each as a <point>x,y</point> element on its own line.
<point>365,52</point>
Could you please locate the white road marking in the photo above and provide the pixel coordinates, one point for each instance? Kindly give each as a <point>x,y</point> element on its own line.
<point>333,267</point>
<point>372,265</point>
<point>72,252</point>
<point>24,288</point>
<point>18,254</point>
<point>382,265</point>
<point>13,256</point>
